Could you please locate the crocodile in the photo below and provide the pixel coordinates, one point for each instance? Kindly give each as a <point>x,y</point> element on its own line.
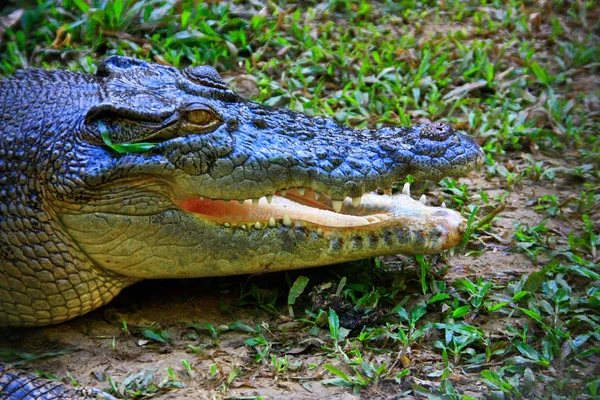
<point>146,171</point>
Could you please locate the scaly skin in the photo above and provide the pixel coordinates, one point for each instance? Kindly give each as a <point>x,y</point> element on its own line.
<point>79,221</point>
<point>17,385</point>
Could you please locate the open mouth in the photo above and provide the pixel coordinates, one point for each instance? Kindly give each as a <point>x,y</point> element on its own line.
<point>305,205</point>
<point>293,229</point>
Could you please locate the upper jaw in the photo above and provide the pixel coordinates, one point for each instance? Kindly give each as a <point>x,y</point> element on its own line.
<point>339,167</point>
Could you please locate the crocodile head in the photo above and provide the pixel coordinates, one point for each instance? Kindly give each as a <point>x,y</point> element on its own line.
<point>229,186</point>
<point>221,186</point>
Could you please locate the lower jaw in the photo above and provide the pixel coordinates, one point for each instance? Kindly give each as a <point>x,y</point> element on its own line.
<point>255,249</point>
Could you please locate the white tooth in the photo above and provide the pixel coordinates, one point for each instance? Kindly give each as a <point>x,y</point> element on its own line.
<point>283,192</point>
<point>406,189</point>
<point>257,225</point>
<point>272,222</point>
<point>443,204</point>
<point>201,197</point>
<point>255,202</point>
<point>241,201</point>
<point>356,201</point>
<point>319,232</point>
<point>301,191</point>
<point>287,221</point>
<point>227,225</point>
<point>423,199</point>
<point>243,227</point>
<point>337,205</point>
<point>269,198</point>
<point>317,195</point>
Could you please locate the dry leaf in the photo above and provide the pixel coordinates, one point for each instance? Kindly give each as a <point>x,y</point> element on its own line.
<point>10,20</point>
<point>535,21</point>
<point>468,87</point>
<point>62,39</point>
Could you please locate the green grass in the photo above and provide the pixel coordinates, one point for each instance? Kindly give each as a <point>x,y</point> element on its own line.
<point>524,91</point>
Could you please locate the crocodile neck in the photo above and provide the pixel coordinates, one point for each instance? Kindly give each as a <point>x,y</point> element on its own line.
<point>44,276</point>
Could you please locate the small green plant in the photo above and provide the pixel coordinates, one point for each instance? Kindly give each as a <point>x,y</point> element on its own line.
<point>457,339</point>
<point>337,333</point>
<point>356,381</point>
<point>260,343</point>
<point>123,147</point>
<point>541,74</point>
<point>156,333</point>
<point>261,297</point>
<point>476,291</point>
<point>295,291</point>
<point>424,266</point>
<point>279,364</point>
<point>188,368</point>
<point>170,381</point>
<point>234,372</point>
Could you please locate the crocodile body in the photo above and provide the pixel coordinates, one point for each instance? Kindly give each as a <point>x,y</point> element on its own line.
<point>224,186</point>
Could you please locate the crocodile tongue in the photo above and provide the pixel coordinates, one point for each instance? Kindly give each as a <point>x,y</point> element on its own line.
<point>281,208</point>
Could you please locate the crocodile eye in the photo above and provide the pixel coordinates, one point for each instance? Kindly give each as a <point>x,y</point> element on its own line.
<point>201,117</point>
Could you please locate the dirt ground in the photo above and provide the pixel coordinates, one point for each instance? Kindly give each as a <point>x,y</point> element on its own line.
<point>96,345</point>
